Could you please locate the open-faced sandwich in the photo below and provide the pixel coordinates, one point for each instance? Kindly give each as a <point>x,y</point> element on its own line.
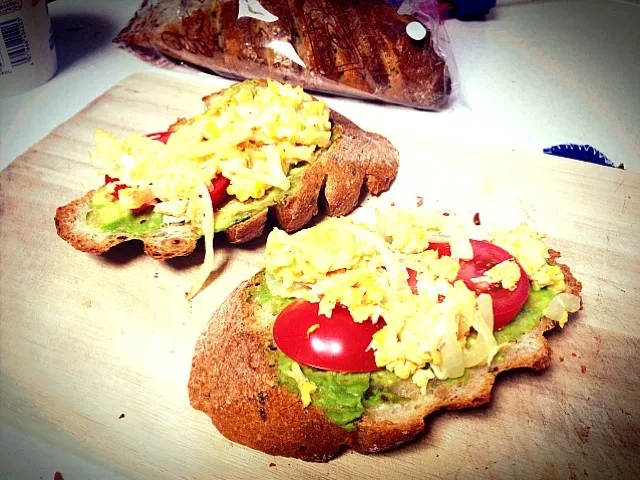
<point>260,146</point>
<point>355,331</point>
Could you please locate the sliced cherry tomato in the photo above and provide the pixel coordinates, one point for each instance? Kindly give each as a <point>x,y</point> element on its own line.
<point>218,191</point>
<point>160,136</point>
<point>337,343</point>
<point>506,303</point>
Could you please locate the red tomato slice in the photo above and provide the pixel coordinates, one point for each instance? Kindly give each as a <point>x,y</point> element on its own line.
<point>338,343</point>
<point>218,191</point>
<point>506,303</point>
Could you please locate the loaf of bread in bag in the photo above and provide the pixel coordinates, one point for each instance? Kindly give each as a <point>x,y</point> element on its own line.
<point>358,48</point>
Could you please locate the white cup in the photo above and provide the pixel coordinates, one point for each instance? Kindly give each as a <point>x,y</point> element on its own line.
<point>27,52</point>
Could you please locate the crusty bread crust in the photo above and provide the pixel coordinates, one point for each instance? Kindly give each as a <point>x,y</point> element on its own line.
<point>356,160</point>
<point>233,382</point>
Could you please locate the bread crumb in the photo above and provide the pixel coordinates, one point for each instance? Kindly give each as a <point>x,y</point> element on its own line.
<point>583,432</point>
<point>420,201</point>
<point>121,416</point>
<point>155,275</point>
<point>86,303</point>
<point>561,358</point>
<point>393,204</point>
<point>583,368</point>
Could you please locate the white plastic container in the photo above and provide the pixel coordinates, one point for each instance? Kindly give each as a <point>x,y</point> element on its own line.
<point>27,51</point>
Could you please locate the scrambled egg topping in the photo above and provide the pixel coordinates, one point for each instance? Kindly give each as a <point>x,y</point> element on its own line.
<point>506,273</point>
<point>532,253</point>
<point>436,333</point>
<point>250,134</point>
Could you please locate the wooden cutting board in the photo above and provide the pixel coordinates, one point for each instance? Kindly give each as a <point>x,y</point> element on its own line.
<point>95,351</point>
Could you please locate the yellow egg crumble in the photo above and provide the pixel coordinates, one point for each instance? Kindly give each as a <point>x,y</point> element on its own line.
<point>250,134</point>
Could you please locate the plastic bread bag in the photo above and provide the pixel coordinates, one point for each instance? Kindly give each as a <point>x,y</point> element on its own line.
<point>389,50</point>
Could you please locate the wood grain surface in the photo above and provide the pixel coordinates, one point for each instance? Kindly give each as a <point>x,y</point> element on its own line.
<point>95,351</point>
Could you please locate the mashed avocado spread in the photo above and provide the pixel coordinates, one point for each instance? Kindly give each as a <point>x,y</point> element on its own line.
<point>108,215</point>
<point>343,397</point>
<point>528,317</point>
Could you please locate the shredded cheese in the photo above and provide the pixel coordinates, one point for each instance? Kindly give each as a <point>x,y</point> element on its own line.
<point>208,229</point>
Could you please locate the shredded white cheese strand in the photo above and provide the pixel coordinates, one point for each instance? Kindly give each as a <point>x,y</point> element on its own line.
<point>208,226</point>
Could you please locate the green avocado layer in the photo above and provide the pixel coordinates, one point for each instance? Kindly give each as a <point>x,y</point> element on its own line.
<point>343,397</point>
<point>110,216</point>
<point>528,317</point>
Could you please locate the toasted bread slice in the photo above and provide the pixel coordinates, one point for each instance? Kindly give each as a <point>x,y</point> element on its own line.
<point>356,160</point>
<point>234,382</point>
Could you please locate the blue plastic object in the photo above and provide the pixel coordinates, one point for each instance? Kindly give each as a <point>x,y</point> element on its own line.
<point>584,153</point>
<point>472,8</point>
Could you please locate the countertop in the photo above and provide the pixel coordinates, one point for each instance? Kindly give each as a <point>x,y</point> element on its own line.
<point>534,74</point>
